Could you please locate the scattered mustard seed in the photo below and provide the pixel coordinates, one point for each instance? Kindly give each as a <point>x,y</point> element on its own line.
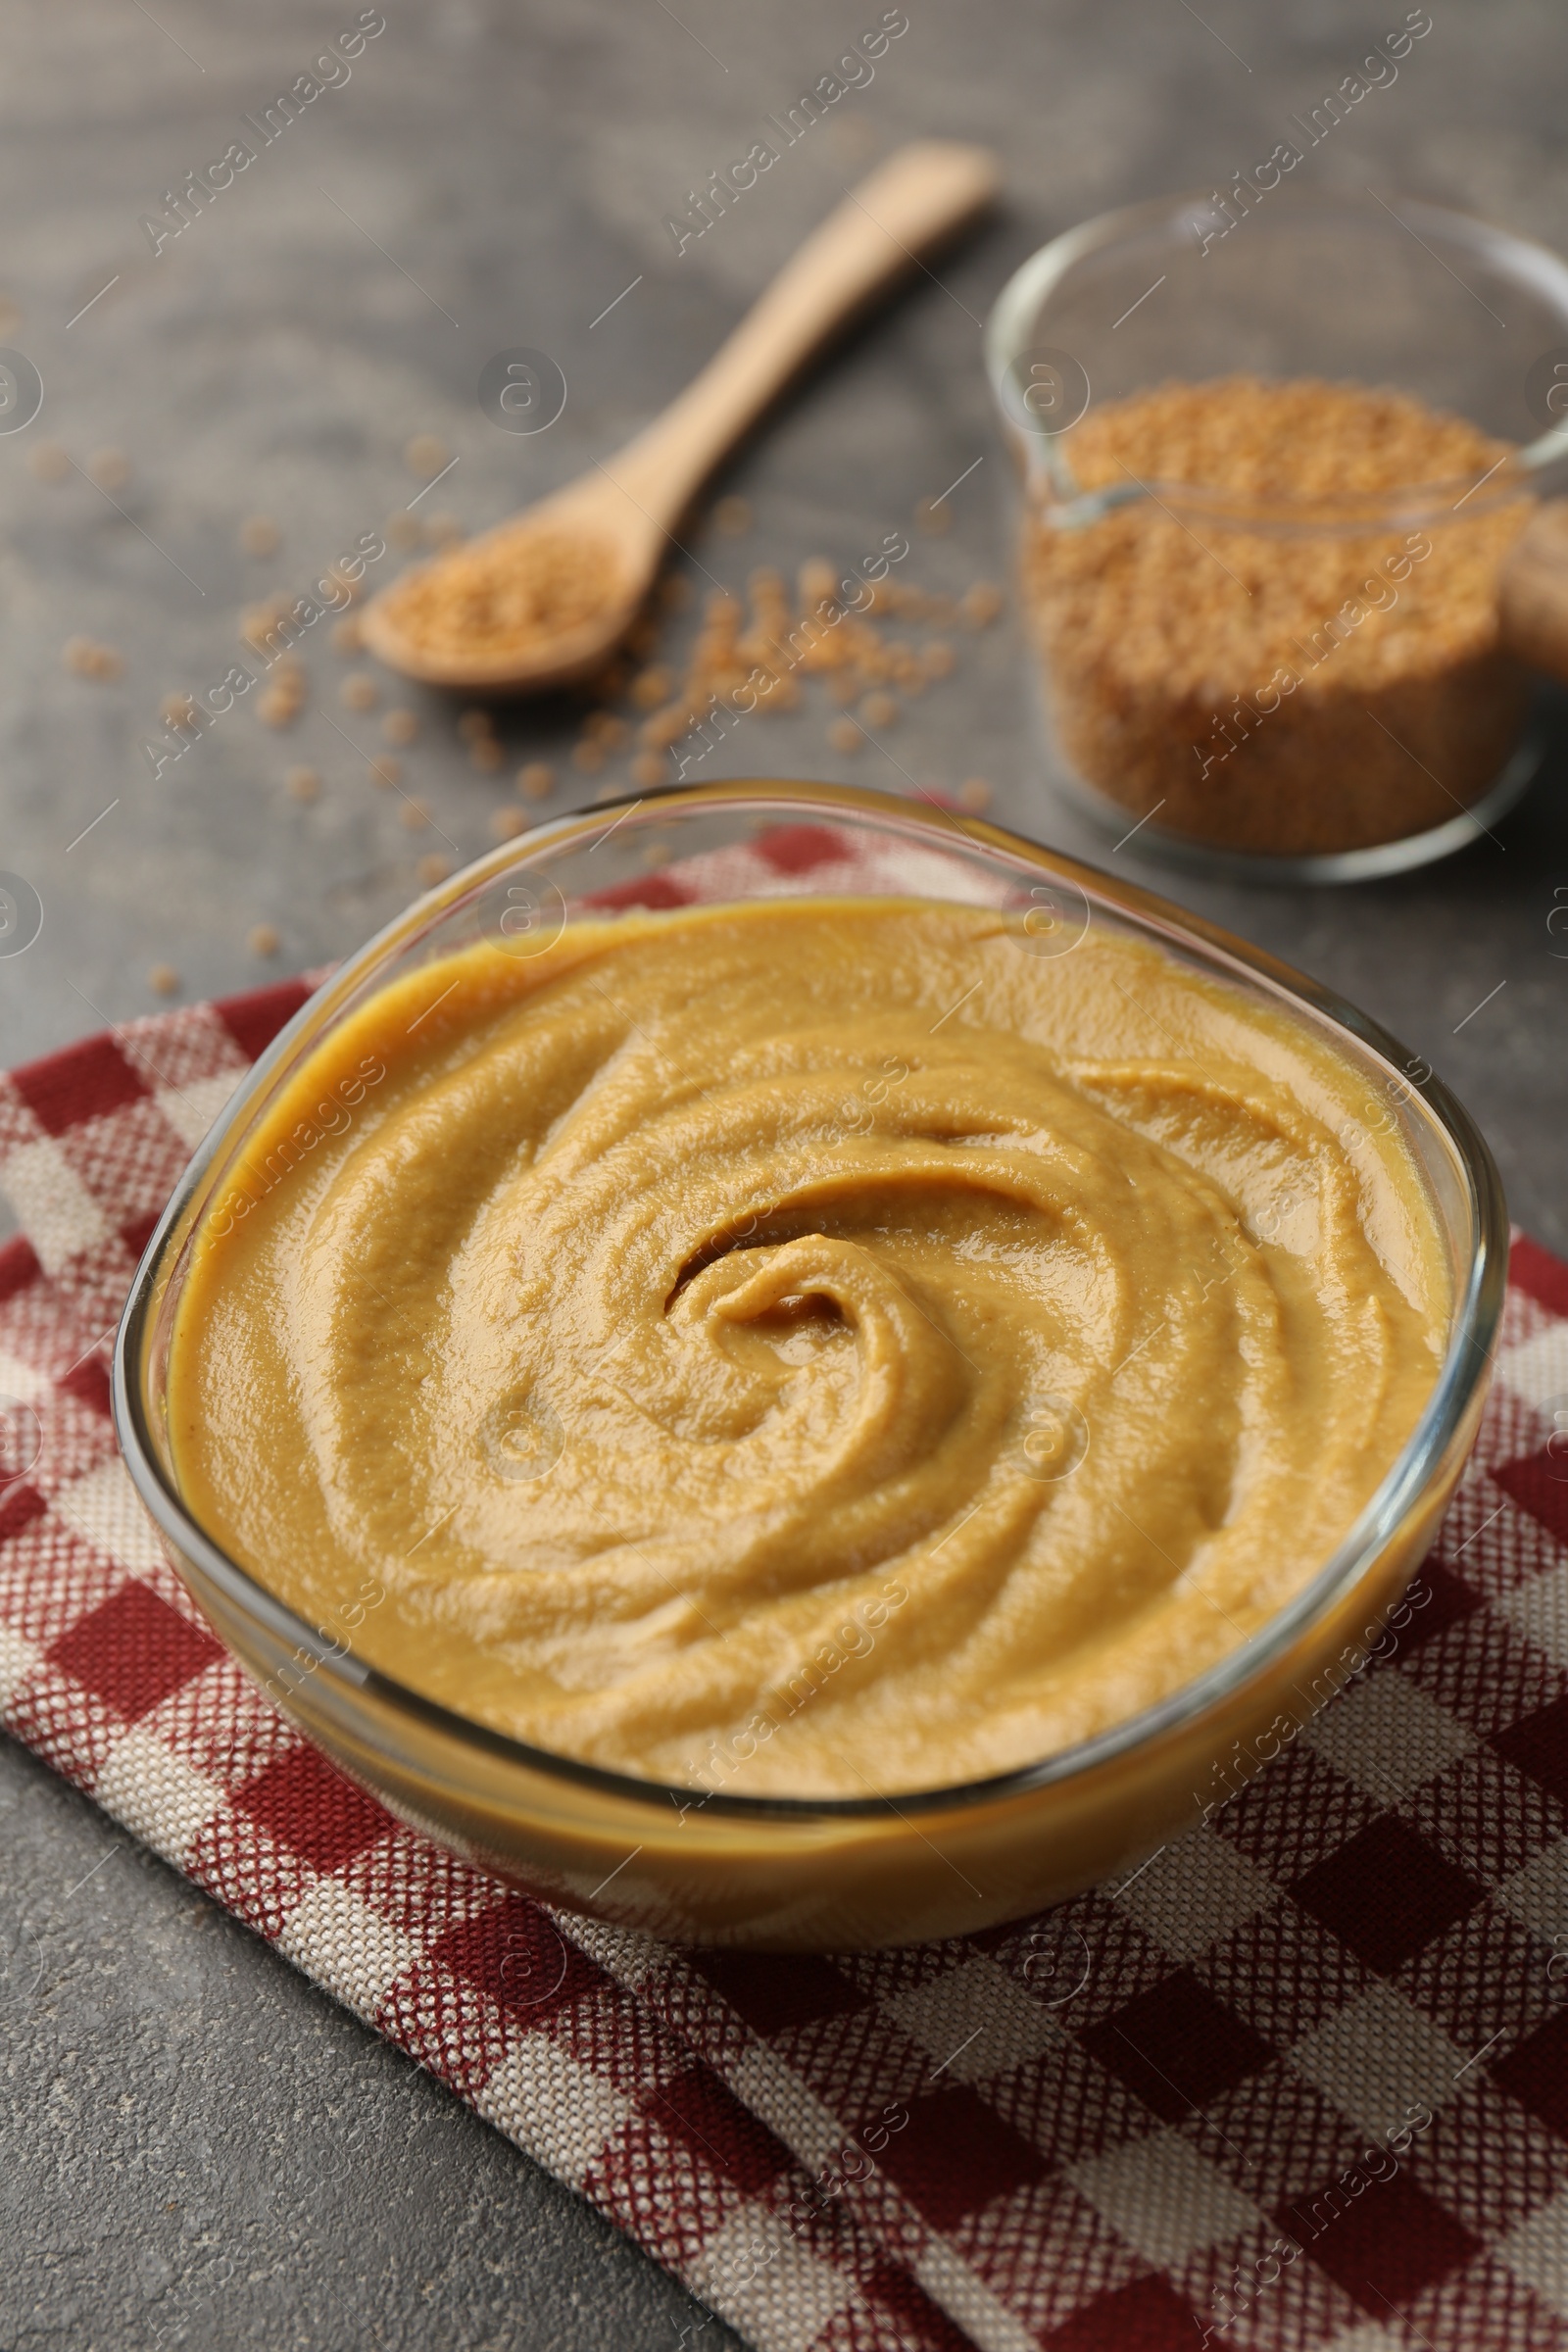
<point>303,784</point>
<point>48,462</point>
<point>507,823</point>
<point>256,621</point>
<point>426,456</point>
<point>110,469</point>
<point>819,583</point>
<point>163,979</point>
<point>359,692</point>
<point>536,781</point>
<point>263,940</point>
<point>87,660</point>
<point>259,535</point>
<point>400,727</point>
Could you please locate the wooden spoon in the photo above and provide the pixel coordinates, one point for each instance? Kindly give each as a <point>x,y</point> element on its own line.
<point>1532,606</point>
<point>618,518</point>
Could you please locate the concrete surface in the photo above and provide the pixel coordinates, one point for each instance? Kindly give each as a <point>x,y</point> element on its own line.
<point>200,2148</point>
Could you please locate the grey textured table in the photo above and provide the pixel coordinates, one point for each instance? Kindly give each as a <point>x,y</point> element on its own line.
<point>200,2148</point>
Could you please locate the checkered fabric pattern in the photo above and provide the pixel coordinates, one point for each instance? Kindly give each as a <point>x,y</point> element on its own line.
<point>1298,2081</point>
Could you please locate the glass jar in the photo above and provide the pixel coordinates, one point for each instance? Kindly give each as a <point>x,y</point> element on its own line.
<point>1267,684</point>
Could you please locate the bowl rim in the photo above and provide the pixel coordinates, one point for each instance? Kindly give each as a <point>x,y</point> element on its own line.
<point>1476,1312</point>
<point>1017,306</point>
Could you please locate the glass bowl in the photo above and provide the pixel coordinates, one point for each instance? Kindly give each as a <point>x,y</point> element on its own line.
<point>811,1874</point>
<point>1312,767</point>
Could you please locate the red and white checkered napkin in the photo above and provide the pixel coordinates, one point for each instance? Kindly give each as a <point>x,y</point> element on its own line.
<point>1301,2080</point>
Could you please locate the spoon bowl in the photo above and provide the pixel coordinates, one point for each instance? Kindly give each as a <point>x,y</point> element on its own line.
<point>589,519</point>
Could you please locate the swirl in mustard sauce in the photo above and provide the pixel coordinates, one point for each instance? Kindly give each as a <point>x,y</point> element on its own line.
<point>807,1348</point>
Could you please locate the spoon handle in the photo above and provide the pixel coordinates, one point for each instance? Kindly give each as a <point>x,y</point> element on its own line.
<point>922,194</point>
